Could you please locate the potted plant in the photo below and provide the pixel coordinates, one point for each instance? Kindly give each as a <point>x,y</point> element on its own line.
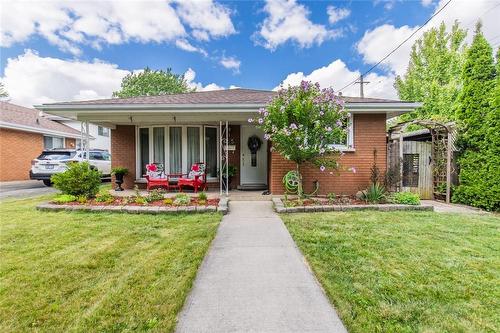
<point>231,172</point>
<point>119,172</point>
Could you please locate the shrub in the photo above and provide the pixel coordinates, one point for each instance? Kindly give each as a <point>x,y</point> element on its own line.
<point>81,199</point>
<point>140,201</point>
<point>64,198</point>
<point>154,195</point>
<point>119,171</point>
<point>168,201</point>
<point>182,199</point>
<point>104,197</point>
<point>406,198</point>
<point>375,193</point>
<point>331,197</point>
<point>202,196</point>
<point>202,202</point>
<point>79,179</point>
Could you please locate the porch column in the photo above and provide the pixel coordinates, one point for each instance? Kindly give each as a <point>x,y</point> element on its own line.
<point>224,157</point>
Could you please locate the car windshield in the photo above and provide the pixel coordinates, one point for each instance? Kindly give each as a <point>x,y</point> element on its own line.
<point>56,155</point>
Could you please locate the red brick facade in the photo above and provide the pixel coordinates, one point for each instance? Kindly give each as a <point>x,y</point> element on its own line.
<point>369,134</point>
<point>123,151</point>
<point>18,149</point>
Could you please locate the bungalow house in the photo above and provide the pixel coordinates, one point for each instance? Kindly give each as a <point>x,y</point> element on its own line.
<point>181,129</point>
<point>24,134</point>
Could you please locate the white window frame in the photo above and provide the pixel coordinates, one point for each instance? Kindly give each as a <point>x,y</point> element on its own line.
<point>349,146</point>
<point>104,130</point>
<point>167,146</point>
<point>52,137</point>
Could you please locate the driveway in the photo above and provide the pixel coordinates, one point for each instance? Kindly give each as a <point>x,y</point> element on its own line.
<point>24,188</point>
<point>254,279</point>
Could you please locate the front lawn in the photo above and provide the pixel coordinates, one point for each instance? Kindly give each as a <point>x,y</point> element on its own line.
<point>96,272</point>
<point>405,272</point>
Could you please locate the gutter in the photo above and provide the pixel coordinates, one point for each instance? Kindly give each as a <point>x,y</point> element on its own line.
<point>389,106</point>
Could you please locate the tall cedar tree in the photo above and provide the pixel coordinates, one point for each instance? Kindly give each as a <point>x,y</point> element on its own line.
<point>478,119</point>
<point>433,74</point>
<point>151,83</point>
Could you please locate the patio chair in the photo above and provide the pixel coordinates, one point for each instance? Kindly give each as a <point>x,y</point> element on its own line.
<point>196,178</point>
<point>155,176</point>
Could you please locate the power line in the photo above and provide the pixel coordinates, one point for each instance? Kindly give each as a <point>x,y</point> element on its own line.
<point>397,47</point>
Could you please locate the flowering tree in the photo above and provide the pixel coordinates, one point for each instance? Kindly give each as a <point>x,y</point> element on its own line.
<point>303,123</point>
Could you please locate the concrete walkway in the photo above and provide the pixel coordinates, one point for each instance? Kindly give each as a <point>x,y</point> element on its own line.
<point>442,207</point>
<point>254,279</point>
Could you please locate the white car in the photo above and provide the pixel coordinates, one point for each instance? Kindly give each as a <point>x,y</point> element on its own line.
<point>55,161</point>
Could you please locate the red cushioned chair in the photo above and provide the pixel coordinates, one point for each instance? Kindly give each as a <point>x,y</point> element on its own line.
<point>196,178</point>
<point>156,177</point>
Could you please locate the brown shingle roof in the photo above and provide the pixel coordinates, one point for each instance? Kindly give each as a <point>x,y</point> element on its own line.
<point>231,96</point>
<point>18,115</point>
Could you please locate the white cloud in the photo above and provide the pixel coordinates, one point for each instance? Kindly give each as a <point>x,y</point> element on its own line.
<point>70,24</point>
<point>337,75</point>
<point>231,63</point>
<point>206,18</point>
<point>190,75</point>
<point>378,42</point>
<point>426,3</point>
<point>288,20</point>
<point>186,46</point>
<point>31,79</point>
<point>337,14</point>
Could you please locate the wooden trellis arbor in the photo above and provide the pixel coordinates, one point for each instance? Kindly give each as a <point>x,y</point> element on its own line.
<point>441,152</point>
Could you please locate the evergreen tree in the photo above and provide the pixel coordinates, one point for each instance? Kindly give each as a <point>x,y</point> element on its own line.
<point>151,83</point>
<point>478,113</point>
<point>433,74</point>
<point>474,102</point>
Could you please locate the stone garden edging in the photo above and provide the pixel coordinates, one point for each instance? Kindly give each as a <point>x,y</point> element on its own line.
<point>279,207</point>
<point>222,208</point>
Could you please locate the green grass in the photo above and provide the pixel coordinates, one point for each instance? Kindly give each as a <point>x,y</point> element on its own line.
<point>405,272</point>
<point>88,272</point>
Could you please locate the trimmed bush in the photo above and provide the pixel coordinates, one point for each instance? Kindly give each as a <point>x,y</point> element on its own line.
<point>202,196</point>
<point>78,180</point>
<point>64,198</point>
<point>406,198</point>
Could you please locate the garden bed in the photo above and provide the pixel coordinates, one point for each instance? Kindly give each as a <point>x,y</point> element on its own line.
<point>129,205</point>
<point>344,203</point>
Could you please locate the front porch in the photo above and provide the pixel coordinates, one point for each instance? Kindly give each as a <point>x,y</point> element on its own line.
<point>175,147</point>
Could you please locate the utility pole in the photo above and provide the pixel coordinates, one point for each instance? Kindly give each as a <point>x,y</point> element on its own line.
<point>361,83</point>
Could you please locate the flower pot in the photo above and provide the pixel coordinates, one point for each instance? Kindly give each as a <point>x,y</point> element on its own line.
<point>119,182</point>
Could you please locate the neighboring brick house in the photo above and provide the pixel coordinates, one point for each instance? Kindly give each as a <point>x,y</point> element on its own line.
<point>180,129</point>
<point>24,134</point>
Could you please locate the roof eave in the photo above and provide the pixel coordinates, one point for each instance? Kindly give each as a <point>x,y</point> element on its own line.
<point>379,106</point>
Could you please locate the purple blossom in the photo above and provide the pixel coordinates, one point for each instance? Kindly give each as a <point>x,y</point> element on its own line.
<point>339,123</point>
<point>266,113</point>
<point>328,129</point>
<point>267,136</point>
<point>322,168</point>
<point>250,120</point>
<point>262,110</point>
<point>293,126</point>
<point>352,169</point>
<point>261,120</point>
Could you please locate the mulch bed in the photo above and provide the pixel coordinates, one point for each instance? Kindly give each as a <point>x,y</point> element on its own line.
<point>129,202</point>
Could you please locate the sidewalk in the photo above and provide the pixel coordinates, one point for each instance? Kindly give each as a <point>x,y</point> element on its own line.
<point>442,207</point>
<point>254,279</point>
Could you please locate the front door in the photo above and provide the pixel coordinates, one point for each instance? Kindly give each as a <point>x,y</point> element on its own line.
<point>253,164</point>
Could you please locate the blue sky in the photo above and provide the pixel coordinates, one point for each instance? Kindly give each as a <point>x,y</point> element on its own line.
<point>82,51</point>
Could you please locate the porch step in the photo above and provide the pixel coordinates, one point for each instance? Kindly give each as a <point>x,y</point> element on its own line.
<point>252,187</point>
<point>249,196</point>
